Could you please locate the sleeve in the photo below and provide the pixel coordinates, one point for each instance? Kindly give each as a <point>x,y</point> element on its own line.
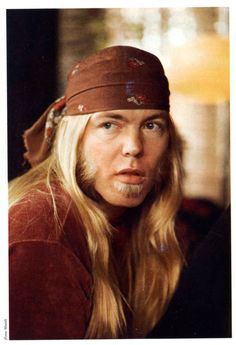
<point>49,292</point>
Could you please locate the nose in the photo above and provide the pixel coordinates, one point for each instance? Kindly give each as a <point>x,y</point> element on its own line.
<point>132,144</point>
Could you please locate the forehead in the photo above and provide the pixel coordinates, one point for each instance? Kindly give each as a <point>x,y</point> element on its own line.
<point>131,115</point>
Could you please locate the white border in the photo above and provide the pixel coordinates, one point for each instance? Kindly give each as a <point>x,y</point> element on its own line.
<point>16,4</point>
<point>115,4</point>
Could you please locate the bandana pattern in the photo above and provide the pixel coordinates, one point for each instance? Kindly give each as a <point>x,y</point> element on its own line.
<point>53,119</point>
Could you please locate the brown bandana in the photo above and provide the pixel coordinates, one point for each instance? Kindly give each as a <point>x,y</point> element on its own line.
<point>38,138</point>
<point>118,77</point>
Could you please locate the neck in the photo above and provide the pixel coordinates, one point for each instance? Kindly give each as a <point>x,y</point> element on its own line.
<point>115,214</point>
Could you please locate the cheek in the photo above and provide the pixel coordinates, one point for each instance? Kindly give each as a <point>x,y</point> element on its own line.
<point>157,152</point>
<point>98,156</point>
<point>90,150</point>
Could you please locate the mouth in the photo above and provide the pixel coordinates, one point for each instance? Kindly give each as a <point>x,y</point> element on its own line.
<point>131,176</point>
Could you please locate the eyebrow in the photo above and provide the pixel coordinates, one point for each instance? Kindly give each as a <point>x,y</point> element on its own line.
<point>161,115</point>
<point>111,116</point>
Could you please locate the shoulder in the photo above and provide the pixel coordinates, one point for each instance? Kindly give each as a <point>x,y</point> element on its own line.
<point>44,267</point>
<point>35,217</point>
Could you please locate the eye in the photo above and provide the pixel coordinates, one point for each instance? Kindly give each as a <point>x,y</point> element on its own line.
<point>153,126</point>
<point>107,125</point>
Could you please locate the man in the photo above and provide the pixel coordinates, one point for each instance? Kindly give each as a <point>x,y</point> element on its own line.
<point>94,253</point>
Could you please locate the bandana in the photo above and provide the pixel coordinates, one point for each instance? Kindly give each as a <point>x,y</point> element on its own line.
<point>118,77</point>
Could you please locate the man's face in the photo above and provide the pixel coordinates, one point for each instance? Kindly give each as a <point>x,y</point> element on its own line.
<point>121,150</point>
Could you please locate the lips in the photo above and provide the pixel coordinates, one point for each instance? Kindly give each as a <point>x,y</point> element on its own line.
<point>131,176</point>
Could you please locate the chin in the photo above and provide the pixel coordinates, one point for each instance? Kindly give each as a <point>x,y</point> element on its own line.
<point>124,201</point>
<point>124,195</point>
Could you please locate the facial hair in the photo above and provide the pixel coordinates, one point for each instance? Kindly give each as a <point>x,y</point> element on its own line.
<point>128,190</point>
<point>86,174</point>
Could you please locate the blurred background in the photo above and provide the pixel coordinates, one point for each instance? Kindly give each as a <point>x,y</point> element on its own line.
<point>193,45</point>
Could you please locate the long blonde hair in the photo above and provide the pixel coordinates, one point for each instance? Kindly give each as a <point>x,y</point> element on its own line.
<point>153,257</point>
